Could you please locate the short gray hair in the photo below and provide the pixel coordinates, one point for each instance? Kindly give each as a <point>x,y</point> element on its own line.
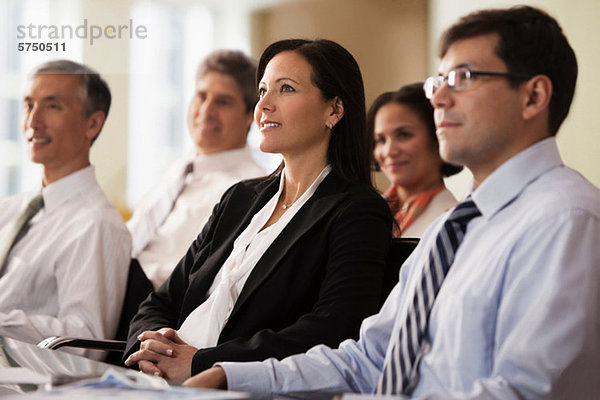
<point>96,94</point>
<point>237,65</point>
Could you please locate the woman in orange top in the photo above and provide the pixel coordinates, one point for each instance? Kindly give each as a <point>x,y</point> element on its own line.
<point>406,149</point>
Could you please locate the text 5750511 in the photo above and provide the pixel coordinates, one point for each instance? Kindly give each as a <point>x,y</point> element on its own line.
<point>41,46</point>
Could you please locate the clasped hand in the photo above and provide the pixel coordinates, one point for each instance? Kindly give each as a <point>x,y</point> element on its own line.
<point>163,353</point>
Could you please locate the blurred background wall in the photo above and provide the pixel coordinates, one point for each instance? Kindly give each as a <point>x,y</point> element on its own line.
<point>151,77</point>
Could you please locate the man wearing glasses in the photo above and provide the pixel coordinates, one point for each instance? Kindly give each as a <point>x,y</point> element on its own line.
<point>500,299</point>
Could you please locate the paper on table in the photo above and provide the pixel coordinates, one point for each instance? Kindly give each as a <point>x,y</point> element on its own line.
<point>22,375</point>
<point>131,385</point>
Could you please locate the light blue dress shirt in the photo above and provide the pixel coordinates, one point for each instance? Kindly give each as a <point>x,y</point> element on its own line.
<point>518,315</point>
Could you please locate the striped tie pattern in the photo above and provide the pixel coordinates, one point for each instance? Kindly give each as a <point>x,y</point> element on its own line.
<point>400,372</point>
<point>17,228</point>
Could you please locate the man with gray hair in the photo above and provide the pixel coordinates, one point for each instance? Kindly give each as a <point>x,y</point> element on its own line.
<point>64,249</point>
<point>220,113</point>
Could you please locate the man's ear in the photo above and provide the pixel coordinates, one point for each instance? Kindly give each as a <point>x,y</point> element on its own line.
<point>537,96</point>
<point>94,124</point>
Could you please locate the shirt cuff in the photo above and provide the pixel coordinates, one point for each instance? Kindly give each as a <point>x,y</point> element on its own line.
<point>250,377</point>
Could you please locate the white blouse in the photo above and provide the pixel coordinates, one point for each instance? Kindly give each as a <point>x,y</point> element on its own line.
<point>203,326</point>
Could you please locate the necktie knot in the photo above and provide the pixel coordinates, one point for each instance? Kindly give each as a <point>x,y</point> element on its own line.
<point>35,205</point>
<point>189,168</point>
<point>464,212</point>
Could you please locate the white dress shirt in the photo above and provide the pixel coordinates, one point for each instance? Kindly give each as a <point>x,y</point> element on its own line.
<point>67,275</point>
<point>517,317</point>
<point>212,175</point>
<point>248,248</point>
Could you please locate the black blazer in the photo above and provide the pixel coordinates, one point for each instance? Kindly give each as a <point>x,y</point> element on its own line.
<point>315,284</point>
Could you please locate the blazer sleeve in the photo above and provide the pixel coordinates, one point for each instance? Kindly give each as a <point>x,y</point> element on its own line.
<point>162,308</point>
<point>357,243</point>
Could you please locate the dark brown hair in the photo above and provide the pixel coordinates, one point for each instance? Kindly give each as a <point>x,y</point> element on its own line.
<point>411,96</point>
<point>335,73</point>
<point>531,43</point>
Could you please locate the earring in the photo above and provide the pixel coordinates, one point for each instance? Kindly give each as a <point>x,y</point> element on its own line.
<point>330,125</point>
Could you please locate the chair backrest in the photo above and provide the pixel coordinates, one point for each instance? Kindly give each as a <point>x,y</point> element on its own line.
<point>400,249</point>
<point>138,288</point>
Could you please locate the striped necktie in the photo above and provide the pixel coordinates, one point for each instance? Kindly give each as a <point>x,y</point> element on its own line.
<point>17,228</point>
<point>400,370</point>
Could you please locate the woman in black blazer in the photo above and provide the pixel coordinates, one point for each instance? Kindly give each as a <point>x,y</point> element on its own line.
<point>314,261</point>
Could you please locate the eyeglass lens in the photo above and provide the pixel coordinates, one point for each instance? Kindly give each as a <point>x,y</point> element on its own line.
<point>457,79</point>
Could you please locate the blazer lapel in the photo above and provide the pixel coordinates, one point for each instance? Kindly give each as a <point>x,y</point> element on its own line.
<point>237,216</point>
<point>326,197</point>
<point>232,222</point>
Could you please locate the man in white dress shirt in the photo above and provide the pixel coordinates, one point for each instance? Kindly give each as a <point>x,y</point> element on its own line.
<point>66,275</point>
<point>517,314</point>
<point>170,217</point>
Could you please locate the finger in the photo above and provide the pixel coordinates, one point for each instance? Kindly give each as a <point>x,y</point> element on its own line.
<point>143,354</point>
<point>152,335</point>
<point>150,368</point>
<point>172,335</point>
<point>166,331</point>
<point>134,358</point>
<point>165,349</point>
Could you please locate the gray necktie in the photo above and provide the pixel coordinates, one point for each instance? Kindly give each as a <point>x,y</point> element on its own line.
<point>400,369</point>
<point>17,228</point>
<point>146,221</point>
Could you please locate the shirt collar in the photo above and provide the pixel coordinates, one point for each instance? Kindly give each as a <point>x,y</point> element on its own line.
<point>221,161</point>
<point>65,188</point>
<point>512,177</point>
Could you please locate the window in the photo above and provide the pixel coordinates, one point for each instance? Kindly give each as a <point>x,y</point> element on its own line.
<point>161,72</point>
<point>162,83</point>
<point>18,23</point>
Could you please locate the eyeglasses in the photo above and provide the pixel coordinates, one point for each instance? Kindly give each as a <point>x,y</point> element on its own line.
<point>461,78</point>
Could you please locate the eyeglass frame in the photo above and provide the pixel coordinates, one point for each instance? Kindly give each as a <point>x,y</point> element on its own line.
<point>428,85</point>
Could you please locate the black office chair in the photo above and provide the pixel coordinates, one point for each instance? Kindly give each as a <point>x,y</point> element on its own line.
<point>138,288</point>
<point>400,249</point>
